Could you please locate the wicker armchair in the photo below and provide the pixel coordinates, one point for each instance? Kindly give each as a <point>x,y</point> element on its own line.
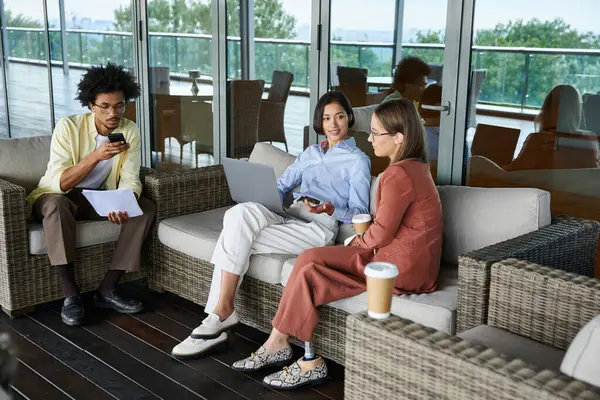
<point>192,191</point>
<point>396,358</point>
<point>243,110</point>
<point>27,280</point>
<point>272,111</point>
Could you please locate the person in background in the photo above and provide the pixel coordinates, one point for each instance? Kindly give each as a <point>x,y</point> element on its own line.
<point>558,142</point>
<point>410,79</point>
<point>82,157</point>
<point>336,172</point>
<point>406,231</point>
<point>431,96</point>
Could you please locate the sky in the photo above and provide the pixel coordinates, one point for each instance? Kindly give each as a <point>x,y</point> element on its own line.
<point>370,14</point>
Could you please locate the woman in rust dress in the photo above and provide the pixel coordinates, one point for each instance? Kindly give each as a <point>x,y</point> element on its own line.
<point>406,231</point>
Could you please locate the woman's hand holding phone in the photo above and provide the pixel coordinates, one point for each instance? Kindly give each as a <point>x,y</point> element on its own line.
<point>327,207</point>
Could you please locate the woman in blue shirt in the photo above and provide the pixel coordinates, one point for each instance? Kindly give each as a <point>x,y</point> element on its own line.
<point>336,172</point>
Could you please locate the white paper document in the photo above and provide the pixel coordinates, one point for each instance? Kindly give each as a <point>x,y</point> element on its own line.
<point>105,201</point>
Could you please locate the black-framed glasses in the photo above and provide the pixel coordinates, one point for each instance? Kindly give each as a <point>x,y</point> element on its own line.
<point>380,134</point>
<point>120,109</point>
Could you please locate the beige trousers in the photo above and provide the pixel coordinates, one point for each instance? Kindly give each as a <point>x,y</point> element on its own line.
<point>58,214</point>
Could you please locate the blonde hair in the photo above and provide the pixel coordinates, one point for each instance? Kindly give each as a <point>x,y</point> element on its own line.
<point>401,116</point>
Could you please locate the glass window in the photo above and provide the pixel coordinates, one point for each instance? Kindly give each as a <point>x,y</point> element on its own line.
<point>371,63</point>
<point>282,60</point>
<point>26,69</point>
<point>181,83</point>
<point>273,105</point>
<point>534,103</point>
<point>94,34</point>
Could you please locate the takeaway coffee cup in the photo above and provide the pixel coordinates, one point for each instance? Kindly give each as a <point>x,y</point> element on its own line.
<point>380,283</point>
<point>361,223</point>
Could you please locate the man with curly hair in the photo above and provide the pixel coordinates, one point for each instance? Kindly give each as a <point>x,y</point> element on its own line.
<point>82,157</point>
<point>410,79</point>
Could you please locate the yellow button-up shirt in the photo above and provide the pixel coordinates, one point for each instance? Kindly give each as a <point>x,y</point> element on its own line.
<point>74,139</point>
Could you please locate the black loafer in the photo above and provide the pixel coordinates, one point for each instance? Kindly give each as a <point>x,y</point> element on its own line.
<point>117,303</point>
<point>72,312</point>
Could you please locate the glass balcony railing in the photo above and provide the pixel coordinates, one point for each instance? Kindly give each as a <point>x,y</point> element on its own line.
<point>516,77</point>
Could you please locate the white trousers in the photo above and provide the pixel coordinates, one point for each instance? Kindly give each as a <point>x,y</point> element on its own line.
<point>251,228</point>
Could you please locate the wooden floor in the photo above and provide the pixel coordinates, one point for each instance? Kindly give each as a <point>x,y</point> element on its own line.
<point>127,357</point>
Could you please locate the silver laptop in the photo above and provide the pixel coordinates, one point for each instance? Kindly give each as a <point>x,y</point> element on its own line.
<point>253,182</point>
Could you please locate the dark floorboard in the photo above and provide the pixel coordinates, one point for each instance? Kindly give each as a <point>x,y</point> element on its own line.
<point>128,356</point>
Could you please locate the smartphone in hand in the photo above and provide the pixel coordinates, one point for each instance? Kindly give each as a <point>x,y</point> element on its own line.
<point>312,201</point>
<point>116,137</point>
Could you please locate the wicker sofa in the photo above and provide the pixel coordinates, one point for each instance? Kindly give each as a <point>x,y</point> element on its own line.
<point>191,204</point>
<point>26,277</point>
<point>534,314</point>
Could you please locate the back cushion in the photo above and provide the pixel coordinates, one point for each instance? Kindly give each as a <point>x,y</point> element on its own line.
<point>24,161</point>
<point>478,217</point>
<point>267,154</point>
<point>581,359</point>
<point>362,117</point>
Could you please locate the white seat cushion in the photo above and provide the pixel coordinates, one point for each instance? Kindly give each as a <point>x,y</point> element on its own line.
<point>196,235</point>
<point>436,310</point>
<point>478,217</point>
<point>515,346</point>
<point>581,360</point>
<point>88,233</point>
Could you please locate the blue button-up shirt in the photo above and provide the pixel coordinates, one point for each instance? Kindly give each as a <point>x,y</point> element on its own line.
<point>341,175</point>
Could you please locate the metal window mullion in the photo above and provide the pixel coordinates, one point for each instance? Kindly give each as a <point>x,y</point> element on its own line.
<point>63,37</point>
<point>398,27</point>
<point>219,66</point>
<point>319,50</point>
<point>49,62</point>
<point>141,67</point>
<point>462,92</point>
<point>247,39</point>
<point>4,60</point>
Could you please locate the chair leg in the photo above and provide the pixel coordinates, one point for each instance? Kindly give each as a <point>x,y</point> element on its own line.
<point>286,148</point>
<point>18,312</point>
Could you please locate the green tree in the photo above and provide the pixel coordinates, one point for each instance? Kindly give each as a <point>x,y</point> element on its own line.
<point>194,16</point>
<point>431,55</point>
<point>505,78</point>
<point>20,21</point>
<point>506,72</point>
<point>21,42</point>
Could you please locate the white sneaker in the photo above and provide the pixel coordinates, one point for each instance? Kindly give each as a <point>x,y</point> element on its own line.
<point>194,348</point>
<point>212,326</point>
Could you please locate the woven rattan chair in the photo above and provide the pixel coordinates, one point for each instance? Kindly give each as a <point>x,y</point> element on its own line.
<point>27,280</point>
<point>568,243</point>
<point>397,358</point>
<point>272,111</point>
<point>243,112</point>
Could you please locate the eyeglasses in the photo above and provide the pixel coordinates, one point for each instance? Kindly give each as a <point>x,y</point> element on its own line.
<point>380,134</point>
<point>107,109</point>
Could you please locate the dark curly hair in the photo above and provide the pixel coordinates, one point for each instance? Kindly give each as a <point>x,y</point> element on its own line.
<point>409,69</point>
<point>106,79</point>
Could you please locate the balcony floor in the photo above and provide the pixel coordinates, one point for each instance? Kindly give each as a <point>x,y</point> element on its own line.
<point>30,115</point>
<point>127,356</point>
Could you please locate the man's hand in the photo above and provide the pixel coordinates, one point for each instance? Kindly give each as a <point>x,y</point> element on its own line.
<point>326,208</point>
<point>109,150</point>
<point>118,217</point>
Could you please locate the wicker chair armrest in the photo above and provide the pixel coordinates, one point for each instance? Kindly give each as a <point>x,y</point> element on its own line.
<point>545,304</point>
<point>188,191</point>
<point>144,172</point>
<point>567,244</point>
<point>13,224</point>
<point>396,358</point>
